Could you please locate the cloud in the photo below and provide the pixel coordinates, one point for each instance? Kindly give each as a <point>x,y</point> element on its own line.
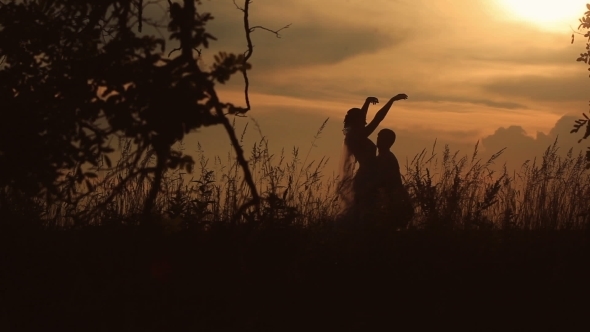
<point>520,146</point>
<point>318,43</point>
<point>461,72</point>
<point>504,104</point>
<point>329,52</point>
<point>294,127</point>
<point>542,88</point>
<point>532,55</point>
<point>312,39</point>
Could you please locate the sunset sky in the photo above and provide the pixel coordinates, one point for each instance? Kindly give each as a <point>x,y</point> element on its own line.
<point>499,71</point>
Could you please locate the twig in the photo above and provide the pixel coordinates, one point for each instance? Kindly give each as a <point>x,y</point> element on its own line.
<point>179,48</point>
<point>174,50</point>
<point>241,160</point>
<point>276,32</point>
<point>250,50</point>
<point>230,131</point>
<point>140,15</point>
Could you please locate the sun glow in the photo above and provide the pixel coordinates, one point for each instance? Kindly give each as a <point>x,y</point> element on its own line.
<point>550,14</point>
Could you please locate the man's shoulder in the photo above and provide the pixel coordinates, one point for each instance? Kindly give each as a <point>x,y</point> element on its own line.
<point>393,156</point>
<point>390,160</point>
<point>388,156</point>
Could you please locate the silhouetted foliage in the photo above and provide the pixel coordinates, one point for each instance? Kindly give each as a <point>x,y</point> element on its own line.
<point>74,75</point>
<point>585,58</point>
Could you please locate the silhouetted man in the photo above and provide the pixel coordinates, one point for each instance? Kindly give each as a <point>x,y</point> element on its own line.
<point>394,200</point>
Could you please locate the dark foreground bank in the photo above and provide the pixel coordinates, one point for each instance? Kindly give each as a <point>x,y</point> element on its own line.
<point>282,279</point>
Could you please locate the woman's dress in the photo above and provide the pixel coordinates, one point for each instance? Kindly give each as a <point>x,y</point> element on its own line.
<point>357,190</point>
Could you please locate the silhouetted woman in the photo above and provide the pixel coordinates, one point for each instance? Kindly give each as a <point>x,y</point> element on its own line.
<point>357,191</point>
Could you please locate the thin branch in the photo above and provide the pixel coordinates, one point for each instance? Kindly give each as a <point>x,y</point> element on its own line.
<point>250,49</point>
<point>179,48</point>
<point>238,7</point>
<point>174,50</point>
<point>247,53</point>
<point>240,158</point>
<point>228,127</point>
<point>275,32</point>
<point>140,15</point>
<point>120,186</point>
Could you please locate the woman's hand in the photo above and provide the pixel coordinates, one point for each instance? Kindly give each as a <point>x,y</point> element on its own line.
<point>372,100</point>
<point>400,97</point>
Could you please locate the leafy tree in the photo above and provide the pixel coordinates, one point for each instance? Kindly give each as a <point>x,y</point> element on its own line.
<point>584,29</point>
<point>74,74</point>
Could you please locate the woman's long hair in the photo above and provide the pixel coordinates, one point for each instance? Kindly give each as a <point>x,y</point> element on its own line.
<point>354,115</point>
<point>347,162</point>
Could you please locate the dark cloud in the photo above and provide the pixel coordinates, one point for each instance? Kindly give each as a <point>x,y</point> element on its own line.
<point>526,55</point>
<point>543,88</point>
<point>495,104</point>
<point>304,90</point>
<point>514,138</point>
<point>308,41</point>
<point>322,42</point>
<point>476,101</point>
<point>521,147</point>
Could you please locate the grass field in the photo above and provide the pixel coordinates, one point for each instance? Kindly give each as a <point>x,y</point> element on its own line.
<point>485,251</point>
<point>293,279</point>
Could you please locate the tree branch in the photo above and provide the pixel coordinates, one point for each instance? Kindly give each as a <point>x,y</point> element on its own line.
<point>140,15</point>
<point>230,131</point>
<point>275,32</point>
<point>250,50</point>
<point>241,160</point>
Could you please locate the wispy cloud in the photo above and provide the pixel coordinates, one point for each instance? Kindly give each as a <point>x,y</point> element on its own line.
<point>568,87</point>
<point>470,73</point>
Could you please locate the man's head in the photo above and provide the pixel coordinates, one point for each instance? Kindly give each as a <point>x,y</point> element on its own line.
<point>385,139</point>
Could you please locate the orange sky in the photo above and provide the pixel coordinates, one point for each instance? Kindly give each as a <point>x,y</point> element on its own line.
<point>473,70</point>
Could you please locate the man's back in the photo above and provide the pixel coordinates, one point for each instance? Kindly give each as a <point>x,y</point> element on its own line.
<point>388,171</point>
<point>394,199</point>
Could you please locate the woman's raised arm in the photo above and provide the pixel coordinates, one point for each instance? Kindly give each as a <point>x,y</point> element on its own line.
<point>370,128</point>
<point>370,100</point>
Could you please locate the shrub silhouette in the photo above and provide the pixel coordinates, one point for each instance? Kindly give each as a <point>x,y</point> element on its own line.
<point>584,29</point>
<point>75,75</point>
<point>449,192</point>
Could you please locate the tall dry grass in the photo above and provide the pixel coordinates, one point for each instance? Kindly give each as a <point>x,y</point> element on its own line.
<point>461,192</point>
<point>449,192</point>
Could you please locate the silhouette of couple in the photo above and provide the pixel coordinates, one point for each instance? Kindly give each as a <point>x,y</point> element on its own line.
<point>375,193</point>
